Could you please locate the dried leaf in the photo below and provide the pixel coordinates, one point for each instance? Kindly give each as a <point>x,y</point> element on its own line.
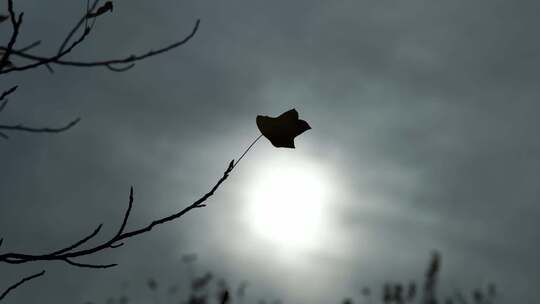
<point>282,130</point>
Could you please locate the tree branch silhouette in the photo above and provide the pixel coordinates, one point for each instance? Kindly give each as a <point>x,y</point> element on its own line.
<point>128,61</point>
<point>8,53</point>
<point>23,128</point>
<point>22,281</point>
<point>15,24</point>
<point>5,94</point>
<point>6,66</point>
<point>68,253</point>
<point>78,25</point>
<point>87,20</point>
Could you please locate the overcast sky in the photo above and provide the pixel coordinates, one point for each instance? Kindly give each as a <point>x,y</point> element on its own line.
<point>425,134</point>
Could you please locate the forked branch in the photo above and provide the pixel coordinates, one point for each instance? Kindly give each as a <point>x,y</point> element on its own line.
<point>86,21</point>
<point>68,45</point>
<point>73,251</point>
<point>116,65</point>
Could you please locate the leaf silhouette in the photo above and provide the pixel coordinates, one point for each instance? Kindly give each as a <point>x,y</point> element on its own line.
<point>282,130</point>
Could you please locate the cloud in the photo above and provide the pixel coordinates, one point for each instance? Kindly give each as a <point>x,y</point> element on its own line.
<point>427,109</point>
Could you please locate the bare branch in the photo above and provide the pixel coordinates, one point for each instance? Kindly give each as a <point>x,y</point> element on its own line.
<point>16,24</point>
<point>116,65</point>
<point>24,128</point>
<point>120,69</point>
<point>4,95</point>
<point>116,245</point>
<point>106,7</point>
<point>68,45</point>
<point>96,266</point>
<point>185,210</point>
<point>3,105</point>
<point>77,27</point>
<point>130,60</point>
<point>22,281</point>
<point>126,215</point>
<point>80,242</point>
<point>7,92</point>
<point>45,61</point>
<point>30,46</point>
<point>68,253</point>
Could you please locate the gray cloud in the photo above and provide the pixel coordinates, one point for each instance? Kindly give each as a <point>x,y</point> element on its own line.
<point>426,110</point>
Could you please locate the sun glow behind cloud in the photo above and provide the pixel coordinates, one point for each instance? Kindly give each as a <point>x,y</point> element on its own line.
<point>287,204</point>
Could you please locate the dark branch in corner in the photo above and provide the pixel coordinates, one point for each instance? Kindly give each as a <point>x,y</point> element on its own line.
<point>7,66</point>
<point>68,253</point>
<point>128,62</point>
<point>16,25</point>
<point>9,49</point>
<point>47,60</point>
<point>22,281</point>
<point>117,65</point>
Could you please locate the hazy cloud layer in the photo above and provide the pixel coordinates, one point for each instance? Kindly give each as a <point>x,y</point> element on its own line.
<point>423,112</point>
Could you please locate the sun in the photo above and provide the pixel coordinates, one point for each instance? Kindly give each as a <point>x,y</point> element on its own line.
<point>287,202</point>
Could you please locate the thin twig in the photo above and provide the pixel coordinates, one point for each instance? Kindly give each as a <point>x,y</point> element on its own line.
<point>52,59</point>
<point>30,46</point>
<point>247,150</point>
<point>82,265</point>
<point>77,26</point>
<point>109,63</point>
<point>72,251</point>
<point>4,95</point>
<point>80,242</point>
<point>24,128</point>
<point>7,92</point>
<point>16,24</point>
<point>22,281</point>
<point>68,253</point>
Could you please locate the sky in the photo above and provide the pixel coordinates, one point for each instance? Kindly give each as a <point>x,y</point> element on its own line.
<point>424,137</point>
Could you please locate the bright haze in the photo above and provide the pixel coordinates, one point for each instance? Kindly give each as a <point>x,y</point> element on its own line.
<point>424,137</point>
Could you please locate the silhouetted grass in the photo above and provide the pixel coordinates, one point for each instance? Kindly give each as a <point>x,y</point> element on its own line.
<point>207,289</point>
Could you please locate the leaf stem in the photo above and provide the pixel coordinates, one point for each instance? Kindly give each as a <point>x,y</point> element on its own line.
<point>247,150</point>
